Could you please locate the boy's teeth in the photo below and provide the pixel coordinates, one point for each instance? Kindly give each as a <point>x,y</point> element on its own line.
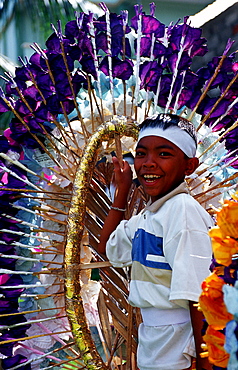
<point>151,177</point>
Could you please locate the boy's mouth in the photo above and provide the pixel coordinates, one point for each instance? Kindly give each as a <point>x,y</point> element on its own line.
<point>151,178</point>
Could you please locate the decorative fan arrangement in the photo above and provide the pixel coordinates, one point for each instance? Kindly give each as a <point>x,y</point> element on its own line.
<point>75,102</point>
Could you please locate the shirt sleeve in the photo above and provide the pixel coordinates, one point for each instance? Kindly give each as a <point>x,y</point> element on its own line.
<point>187,248</point>
<point>119,246</point>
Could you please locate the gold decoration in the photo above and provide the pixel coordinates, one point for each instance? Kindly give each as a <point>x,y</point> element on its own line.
<point>74,305</point>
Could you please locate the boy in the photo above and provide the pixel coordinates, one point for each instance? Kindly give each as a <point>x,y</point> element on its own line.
<point>167,244</point>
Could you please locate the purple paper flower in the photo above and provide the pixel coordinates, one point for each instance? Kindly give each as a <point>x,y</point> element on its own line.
<point>146,47</point>
<point>150,72</point>
<point>74,29</point>
<point>4,144</point>
<point>219,110</point>
<point>188,38</point>
<point>88,65</point>
<point>8,305</point>
<point>14,182</point>
<point>14,292</point>
<point>14,361</point>
<point>183,63</point>
<point>117,35</point>
<point>7,263</point>
<point>53,43</point>
<point>54,106</point>
<point>149,24</point>
<point>56,62</point>
<point>3,106</point>
<point>6,249</point>
<point>165,83</point>
<point>122,69</point>
<point>231,140</point>
<point>6,348</point>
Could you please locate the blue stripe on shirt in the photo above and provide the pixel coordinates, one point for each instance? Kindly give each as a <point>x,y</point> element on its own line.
<point>146,248</point>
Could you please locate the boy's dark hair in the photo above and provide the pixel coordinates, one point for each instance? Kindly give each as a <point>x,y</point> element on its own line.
<point>166,120</point>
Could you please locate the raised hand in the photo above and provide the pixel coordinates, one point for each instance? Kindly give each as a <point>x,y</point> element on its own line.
<point>122,180</point>
<point>122,177</point>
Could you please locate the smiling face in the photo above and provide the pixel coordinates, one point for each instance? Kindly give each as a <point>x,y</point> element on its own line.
<point>161,166</point>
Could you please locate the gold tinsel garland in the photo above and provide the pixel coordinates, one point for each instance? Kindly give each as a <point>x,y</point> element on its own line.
<point>74,305</point>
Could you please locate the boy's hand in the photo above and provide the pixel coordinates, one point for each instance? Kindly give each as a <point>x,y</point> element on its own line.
<point>122,175</point>
<point>122,180</point>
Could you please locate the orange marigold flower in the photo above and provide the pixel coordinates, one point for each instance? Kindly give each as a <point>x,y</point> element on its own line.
<point>215,344</point>
<point>212,304</point>
<point>227,219</point>
<point>223,246</point>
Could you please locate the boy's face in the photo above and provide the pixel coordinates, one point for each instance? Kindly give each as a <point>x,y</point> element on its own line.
<point>161,166</point>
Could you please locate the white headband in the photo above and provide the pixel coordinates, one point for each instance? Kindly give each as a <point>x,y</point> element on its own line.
<point>174,134</point>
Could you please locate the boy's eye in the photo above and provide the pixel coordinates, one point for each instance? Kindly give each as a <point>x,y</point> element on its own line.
<point>165,154</point>
<point>139,153</point>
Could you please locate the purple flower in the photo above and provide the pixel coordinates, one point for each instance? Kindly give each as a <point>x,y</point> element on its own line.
<point>62,86</point>
<point>14,292</point>
<point>7,305</point>
<point>53,43</point>
<point>184,97</point>
<point>79,81</point>
<point>4,144</point>
<point>231,140</point>
<point>199,48</point>
<point>184,62</point>
<point>223,77</point>
<point>75,28</point>
<point>22,108</point>
<point>9,237</point>
<point>16,360</point>
<point>150,72</point>
<point>145,47</point>
<point>72,31</point>
<point>37,63</point>
<point>117,35</point>
<point>6,349</point>
<point>7,263</point>
<point>53,104</point>
<point>3,106</point>
<point>45,84</point>
<point>165,83</point>
<point>149,25</point>
<point>188,38</point>
<point>219,110</point>
<point>11,181</point>
<point>56,62</point>
<point>122,69</point>
<point>88,65</point>
<point>32,93</point>
<point>116,24</point>
<point>6,249</point>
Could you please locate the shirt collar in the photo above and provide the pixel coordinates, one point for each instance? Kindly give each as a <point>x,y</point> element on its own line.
<point>153,207</point>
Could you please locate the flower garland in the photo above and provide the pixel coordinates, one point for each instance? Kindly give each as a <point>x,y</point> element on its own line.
<point>218,300</point>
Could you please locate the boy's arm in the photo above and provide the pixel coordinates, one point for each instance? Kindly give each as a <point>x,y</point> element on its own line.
<point>197,324</point>
<point>123,179</point>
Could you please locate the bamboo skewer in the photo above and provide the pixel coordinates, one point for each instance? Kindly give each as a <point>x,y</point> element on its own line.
<point>31,311</point>
<point>33,336</point>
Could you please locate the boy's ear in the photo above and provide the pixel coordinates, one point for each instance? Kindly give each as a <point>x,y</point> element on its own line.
<point>192,165</point>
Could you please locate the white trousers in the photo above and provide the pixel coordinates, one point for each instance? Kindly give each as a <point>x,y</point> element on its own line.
<point>165,347</point>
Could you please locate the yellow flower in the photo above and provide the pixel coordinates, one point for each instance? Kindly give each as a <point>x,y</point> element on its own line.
<point>227,219</point>
<point>223,246</point>
<point>212,304</point>
<point>215,344</point>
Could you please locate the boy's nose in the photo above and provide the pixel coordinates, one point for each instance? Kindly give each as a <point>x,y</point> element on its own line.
<point>149,162</point>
